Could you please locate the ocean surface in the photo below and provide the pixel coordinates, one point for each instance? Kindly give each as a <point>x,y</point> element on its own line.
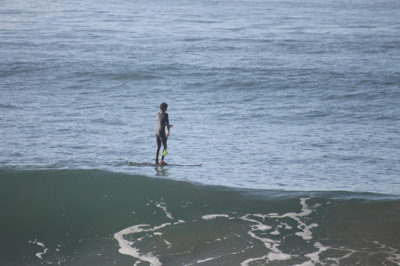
<point>292,108</point>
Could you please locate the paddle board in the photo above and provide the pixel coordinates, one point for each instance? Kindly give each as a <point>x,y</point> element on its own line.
<point>152,164</point>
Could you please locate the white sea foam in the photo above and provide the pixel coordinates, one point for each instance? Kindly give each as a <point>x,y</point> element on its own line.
<point>40,244</point>
<point>275,233</point>
<point>273,245</point>
<point>394,254</point>
<point>218,257</point>
<point>128,248</point>
<point>305,232</point>
<point>164,208</point>
<point>288,227</point>
<point>204,260</point>
<point>263,228</point>
<point>314,256</point>
<point>258,226</point>
<point>168,243</point>
<point>250,260</point>
<point>337,260</point>
<point>214,216</point>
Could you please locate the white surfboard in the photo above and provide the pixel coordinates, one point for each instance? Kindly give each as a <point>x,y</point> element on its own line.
<point>162,165</point>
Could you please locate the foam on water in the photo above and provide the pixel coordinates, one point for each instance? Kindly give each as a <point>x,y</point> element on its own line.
<point>257,228</point>
<point>164,208</point>
<point>214,216</point>
<point>128,248</point>
<point>142,220</point>
<point>273,245</point>
<point>40,244</point>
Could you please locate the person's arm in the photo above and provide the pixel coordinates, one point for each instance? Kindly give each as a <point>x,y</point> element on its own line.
<point>168,126</point>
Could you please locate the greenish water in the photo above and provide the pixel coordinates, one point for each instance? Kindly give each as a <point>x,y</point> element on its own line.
<point>93,217</point>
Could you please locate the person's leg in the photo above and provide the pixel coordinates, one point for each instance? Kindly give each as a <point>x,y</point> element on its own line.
<point>158,139</point>
<point>164,142</point>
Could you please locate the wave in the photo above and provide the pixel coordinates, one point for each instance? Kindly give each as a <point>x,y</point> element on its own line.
<point>8,106</point>
<point>95,217</point>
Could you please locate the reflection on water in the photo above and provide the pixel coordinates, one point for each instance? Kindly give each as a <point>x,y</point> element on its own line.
<point>161,170</point>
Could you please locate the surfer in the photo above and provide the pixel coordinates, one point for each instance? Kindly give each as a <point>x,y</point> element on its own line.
<point>161,137</point>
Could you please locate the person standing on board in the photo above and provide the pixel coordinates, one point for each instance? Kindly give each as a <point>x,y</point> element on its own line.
<point>161,137</point>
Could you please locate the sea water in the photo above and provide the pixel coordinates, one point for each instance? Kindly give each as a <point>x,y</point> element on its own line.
<point>291,107</point>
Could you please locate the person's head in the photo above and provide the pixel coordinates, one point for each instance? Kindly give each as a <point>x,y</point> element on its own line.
<point>163,107</point>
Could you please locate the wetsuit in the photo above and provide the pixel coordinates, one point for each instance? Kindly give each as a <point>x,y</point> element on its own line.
<point>161,137</point>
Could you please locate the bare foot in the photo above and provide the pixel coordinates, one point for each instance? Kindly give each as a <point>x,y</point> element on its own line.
<point>163,163</point>
<point>156,163</point>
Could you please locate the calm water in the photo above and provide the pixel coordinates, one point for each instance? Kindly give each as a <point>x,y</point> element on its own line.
<point>268,95</point>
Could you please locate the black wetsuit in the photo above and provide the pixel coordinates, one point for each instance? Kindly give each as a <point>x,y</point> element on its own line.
<point>162,121</point>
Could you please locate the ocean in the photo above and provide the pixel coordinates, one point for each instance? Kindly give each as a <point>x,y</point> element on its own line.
<point>292,108</point>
